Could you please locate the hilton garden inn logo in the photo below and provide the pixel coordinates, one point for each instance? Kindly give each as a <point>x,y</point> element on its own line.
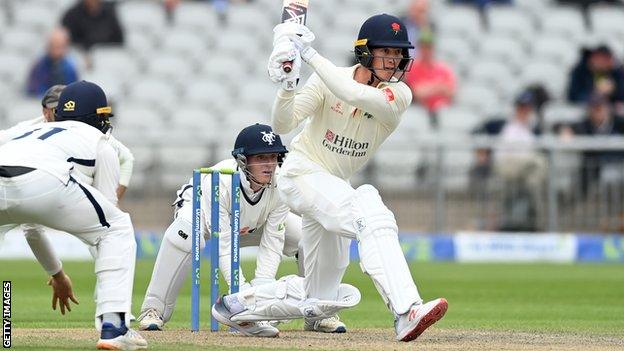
<point>343,145</point>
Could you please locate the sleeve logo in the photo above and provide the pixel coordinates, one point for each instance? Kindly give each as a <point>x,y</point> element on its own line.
<point>389,94</point>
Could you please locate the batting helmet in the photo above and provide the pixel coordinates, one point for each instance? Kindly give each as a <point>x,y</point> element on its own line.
<point>382,31</point>
<point>84,102</point>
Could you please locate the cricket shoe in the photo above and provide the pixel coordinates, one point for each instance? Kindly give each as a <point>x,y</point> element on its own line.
<point>221,313</point>
<point>327,325</point>
<point>420,317</point>
<point>122,338</point>
<point>150,319</point>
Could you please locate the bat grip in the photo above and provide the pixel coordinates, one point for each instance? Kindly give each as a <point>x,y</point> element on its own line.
<point>287,66</point>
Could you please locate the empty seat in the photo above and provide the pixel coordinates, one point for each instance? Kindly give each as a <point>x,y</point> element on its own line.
<point>112,86</point>
<point>455,49</point>
<point>34,15</point>
<point>185,43</point>
<point>199,16</point>
<point>14,69</point>
<point>223,67</point>
<point>258,93</point>
<point>207,93</point>
<point>155,92</point>
<point>493,74</point>
<point>566,22</point>
<point>478,98</point>
<point>552,76</point>
<point>239,44</point>
<point>555,49</point>
<point>607,19</point>
<point>178,162</point>
<point>457,119</point>
<point>509,21</point>
<point>142,15</point>
<point>23,41</point>
<point>21,110</point>
<point>460,20</point>
<point>133,120</point>
<point>503,49</point>
<point>115,60</point>
<point>171,66</point>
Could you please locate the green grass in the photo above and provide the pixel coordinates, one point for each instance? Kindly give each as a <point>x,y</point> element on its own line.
<point>579,298</point>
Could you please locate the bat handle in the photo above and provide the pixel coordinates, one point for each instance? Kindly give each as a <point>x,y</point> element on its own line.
<point>287,66</point>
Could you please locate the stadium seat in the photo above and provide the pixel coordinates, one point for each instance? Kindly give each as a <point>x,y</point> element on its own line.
<point>478,98</point>
<point>607,19</point>
<point>21,110</point>
<point>503,49</point>
<point>111,84</point>
<point>142,121</point>
<point>143,15</point>
<point>184,42</point>
<point>259,94</point>
<point>14,70</point>
<point>225,67</point>
<point>566,22</point>
<point>339,49</point>
<point>511,22</point>
<point>175,170</point>
<point>34,15</point>
<point>115,60</point>
<point>415,121</point>
<point>455,50</point>
<point>240,44</point>
<point>495,74</point>
<point>159,93</point>
<point>555,49</point>
<point>207,93</point>
<point>198,16</point>
<point>546,73</point>
<point>171,66</point>
<point>139,42</point>
<point>251,20</point>
<point>26,42</point>
<point>460,20</point>
<point>457,119</point>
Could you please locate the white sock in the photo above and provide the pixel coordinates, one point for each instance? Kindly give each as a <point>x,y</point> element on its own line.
<point>113,318</point>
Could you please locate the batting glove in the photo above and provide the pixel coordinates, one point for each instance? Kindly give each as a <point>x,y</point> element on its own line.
<point>284,51</point>
<point>301,35</point>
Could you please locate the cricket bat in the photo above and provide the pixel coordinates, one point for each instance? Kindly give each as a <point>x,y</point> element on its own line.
<point>294,11</point>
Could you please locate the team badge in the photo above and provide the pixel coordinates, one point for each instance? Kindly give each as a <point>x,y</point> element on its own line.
<point>268,138</point>
<point>69,106</point>
<point>396,28</point>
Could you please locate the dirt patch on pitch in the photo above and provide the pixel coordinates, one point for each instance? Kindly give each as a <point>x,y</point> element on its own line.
<point>359,339</point>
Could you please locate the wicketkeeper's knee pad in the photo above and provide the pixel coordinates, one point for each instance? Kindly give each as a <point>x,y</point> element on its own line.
<point>179,234</point>
<point>286,299</point>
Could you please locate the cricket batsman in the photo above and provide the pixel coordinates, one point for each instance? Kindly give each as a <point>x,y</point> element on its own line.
<point>348,113</point>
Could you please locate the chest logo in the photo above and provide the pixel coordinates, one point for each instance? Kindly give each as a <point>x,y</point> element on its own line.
<point>268,138</point>
<point>337,108</point>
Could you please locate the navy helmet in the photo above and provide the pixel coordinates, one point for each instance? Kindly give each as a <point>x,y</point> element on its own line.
<point>84,102</point>
<point>258,139</point>
<point>382,31</point>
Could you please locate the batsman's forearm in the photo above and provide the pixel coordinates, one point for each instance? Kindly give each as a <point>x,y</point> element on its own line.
<point>282,115</point>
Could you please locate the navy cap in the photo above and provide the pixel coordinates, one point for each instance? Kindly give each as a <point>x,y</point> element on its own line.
<point>258,139</point>
<point>524,99</point>
<point>383,31</point>
<point>81,99</point>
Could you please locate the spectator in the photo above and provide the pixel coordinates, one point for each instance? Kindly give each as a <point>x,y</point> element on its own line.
<point>432,82</point>
<point>597,71</point>
<point>521,168</point>
<point>417,21</point>
<point>92,22</point>
<point>600,121</point>
<point>55,67</point>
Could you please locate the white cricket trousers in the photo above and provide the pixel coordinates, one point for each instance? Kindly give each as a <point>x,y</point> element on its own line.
<point>81,210</point>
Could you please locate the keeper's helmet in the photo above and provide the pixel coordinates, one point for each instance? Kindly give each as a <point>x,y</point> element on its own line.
<point>255,140</point>
<point>383,31</point>
<point>84,102</point>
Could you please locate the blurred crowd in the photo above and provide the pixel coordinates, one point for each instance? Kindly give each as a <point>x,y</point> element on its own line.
<point>595,83</point>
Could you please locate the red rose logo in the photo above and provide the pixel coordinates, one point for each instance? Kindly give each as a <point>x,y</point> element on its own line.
<point>396,27</point>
